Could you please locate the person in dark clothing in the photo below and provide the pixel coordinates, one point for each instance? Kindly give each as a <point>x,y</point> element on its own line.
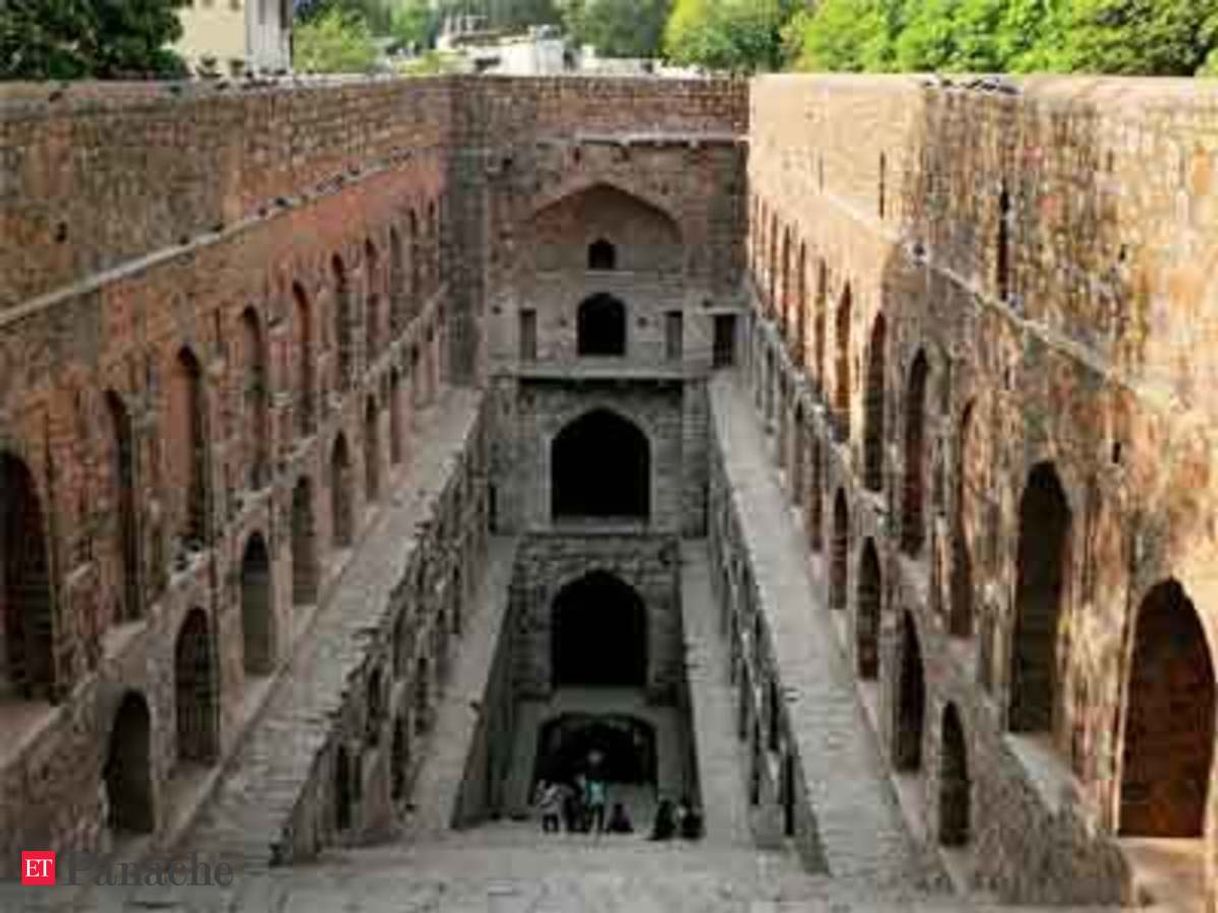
<point>665,825</point>
<point>619,821</point>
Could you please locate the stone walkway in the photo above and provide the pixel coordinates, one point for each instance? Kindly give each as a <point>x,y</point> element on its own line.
<point>721,757</point>
<point>859,823</point>
<point>263,781</point>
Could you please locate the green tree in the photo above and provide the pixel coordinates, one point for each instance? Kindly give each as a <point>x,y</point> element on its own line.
<point>845,35</point>
<point>1151,37</point>
<point>89,39</point>
<point>737,35</point>
<point>414,23</point>
<point>337,42</point>
<point>617,28</point>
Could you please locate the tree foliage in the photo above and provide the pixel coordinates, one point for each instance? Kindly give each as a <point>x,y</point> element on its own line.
<point>737,35</point>
<point>339,41</point>
<point>617,28</point>
<point>1153,37</point>
<point>89,39</point>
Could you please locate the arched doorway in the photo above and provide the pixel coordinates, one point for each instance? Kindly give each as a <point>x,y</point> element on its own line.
<point>816,496</point>
<point>838,570</point>
<point>127,773</point>
<point>619,748</point>
<point>304,360</point>
<point>1044,544</point>
<point>189,445</point>
<point>1169,720</point>
<point>841,393</point>
<point>913,526</point>
<point>873,418</point>
<point>399,757</point>
<point>25,588</point>
<point>598,633</point>
<point>122,462</point>
<point>344,318</point>
<point>342,789</point>
<point>600,467</point>
<point>257,397</point>
<point>954,784</point>
<point>960,620</point>
<point>867,625</point>
<point>195,690</point>
<point>372,452</point>
<point>304,545</point>
<point>911,700</point>
<point>342,511</point>
<point>257,608</point>
<point>601,255</point>
<point>601,326</point>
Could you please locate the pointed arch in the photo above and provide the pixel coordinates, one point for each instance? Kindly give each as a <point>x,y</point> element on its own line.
<point>123,474</point>
<point>867,623</point>
<point>955,787</point>
<point>621,487</point>
<point>25,584</point>
<point>188,418</point>
<point>372,451</point>
<point>1168,756</point>
<point>913,518</point>
<point>305,356</point>
<point>342,496</point>
<point>838,570</point>
<point>601,326</point>
<point>1041,563</point>
<point>841,394</point>
<point>873,417</point>
<point>256,397</point>
<point>598,633</point>
<point>911,700</point>
<point>127,771</point>
<point>304,544</point>
<point>257,608</point>
<point>195,690</point>
<point>344,322</point>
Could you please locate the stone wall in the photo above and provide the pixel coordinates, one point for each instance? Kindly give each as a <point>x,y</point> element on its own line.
<point>978,330</point>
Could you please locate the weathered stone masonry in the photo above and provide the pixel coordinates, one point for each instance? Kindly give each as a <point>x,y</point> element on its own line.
<point>981,346</point>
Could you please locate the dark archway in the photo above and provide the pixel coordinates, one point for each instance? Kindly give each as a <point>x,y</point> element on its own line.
<point>372,302</point>
<point>955,799</point>
<point>1042,559</point>
<point>25,587</point>
<point>122,462</point>
<point>343,801</point>
<point>960,619</point>
<point>127,772</point>
<point>598,633</point>
<point>602,255</point>
<point>867,625</point>
<point>600,466</point>
<point>422,695</point>
<point>873,417</point>
<point>397,284</point>
<point>911,700</point>
<point>838,570</point>
<point>257,608</point>
<point>372,452</point>
<point>841,393</point>
<point>304,356</point>
<point>399,758</point>
<point>913,524</point>
<point>374,707</point>
<point>195,690</point>
<point>799,437</point>
<point>304,544</point>
<point>342,510</point>
<point>188,410</point>
<point>256,401</point>
<point>601,326</point>
<point>344,317</point>
<point>1169,720</point>
<point>624,745</point>
<point>397,444</point>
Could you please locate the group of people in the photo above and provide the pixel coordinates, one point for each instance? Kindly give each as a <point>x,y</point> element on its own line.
<point>579,807</point>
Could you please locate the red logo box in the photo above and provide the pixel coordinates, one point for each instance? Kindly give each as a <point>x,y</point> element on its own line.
<point>38,867</point>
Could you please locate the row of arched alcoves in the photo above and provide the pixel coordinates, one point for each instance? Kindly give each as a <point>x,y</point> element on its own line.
<point>1162,722</point>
